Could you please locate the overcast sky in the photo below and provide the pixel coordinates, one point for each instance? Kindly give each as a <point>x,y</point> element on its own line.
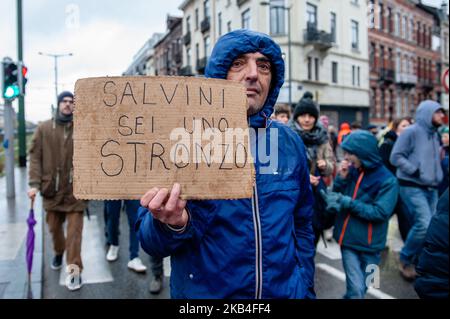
<point>103,36</point>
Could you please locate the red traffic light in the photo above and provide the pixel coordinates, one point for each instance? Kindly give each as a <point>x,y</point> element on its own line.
<point>24,71</point>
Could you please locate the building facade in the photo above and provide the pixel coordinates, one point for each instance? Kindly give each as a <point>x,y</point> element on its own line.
<point>328,45</point>
<point>404,58</point>
<point>142,61</point>
<point>168,50</point>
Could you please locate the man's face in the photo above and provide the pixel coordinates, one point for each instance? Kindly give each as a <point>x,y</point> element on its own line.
<point>438,118</point>
<point>66,106</point>
<point>445,139</point>
<point>353,159</point>
<point>374,131</point>
<point>254,70</point>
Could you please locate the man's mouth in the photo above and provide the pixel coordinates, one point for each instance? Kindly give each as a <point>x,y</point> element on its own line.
<point>252,91</point>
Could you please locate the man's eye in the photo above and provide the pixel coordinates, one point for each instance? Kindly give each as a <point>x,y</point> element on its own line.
<point>265,67</point>
<point>237,64</point>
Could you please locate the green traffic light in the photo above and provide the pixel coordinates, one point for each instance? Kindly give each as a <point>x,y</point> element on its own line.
<point>11,92</point>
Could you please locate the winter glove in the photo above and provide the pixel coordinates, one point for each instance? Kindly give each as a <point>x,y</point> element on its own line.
<point>335,202</point>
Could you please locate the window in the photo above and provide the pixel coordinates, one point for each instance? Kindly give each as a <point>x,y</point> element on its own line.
<point>207,44</point>
<point>398,62</point>
<point>405,27</point>
<point>188,56</point>
<point>246,19</point>
<point>188,24</point>
<point>411,29</point>
<point>390,21</point>
<point>399,105</point>
<point>197,51</point>
<point>372,53</point>
<point>419,67</point>
<point>355,35</point>
<point>206,9</point>
<point>359,75</point>
<point>419,38</point>
<point>333,26</point>
<point>381,16</point>
<point>311,16</point>
<point>373,105</point>
<point>196,19</point>
<point>309,68</point>
<point>383,102</point>
<point>390,58</point>
<point>371,10</point>
<point>398,20</point>
<point>277,18</point>
<point>316,70</point>
<point>229,26</point>
<point>353,75</point>
<point>219,23</point>
<point>334,72</point>
<point>382,60</point>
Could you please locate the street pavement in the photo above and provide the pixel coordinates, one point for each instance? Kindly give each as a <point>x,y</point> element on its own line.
<point>105,280</point>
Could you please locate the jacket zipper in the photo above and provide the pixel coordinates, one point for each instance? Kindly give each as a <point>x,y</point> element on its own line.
<point>258,242</point>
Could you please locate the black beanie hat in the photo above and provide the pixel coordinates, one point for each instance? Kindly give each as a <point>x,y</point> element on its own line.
<point>64,94</point>
<point>306,106</point>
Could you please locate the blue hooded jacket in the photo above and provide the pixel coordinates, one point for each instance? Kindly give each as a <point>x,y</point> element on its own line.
<point>249,248</point>
<point>362,225</point>
<point>416,154</point>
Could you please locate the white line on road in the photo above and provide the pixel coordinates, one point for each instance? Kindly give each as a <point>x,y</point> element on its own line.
<point>341,276</point>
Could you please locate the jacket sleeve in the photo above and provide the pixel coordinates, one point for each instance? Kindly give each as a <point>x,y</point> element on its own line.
<point>158,240</point>
<point>303,224</point>
<point>385,152</point>
<point>400,153</point>
<point>382,206</point>
<point>35,169</point>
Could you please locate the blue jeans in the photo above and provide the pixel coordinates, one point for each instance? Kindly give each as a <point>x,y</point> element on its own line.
<point>113,222</point>
<point>421,205</point>
<point>356,272</point>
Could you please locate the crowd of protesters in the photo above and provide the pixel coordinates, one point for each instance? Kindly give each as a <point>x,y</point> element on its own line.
<point>351,181</point>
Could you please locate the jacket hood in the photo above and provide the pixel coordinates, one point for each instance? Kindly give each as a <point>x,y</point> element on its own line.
<point>345,127</point>
<point>424,114</point>
<point>239,42</point>
<point>364,145</point>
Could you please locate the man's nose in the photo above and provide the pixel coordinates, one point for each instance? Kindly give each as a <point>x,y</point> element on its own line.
<point>251,72</point>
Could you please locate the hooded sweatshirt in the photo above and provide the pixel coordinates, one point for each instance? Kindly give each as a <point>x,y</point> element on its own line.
<point>416,152</point>
<point>371,193</point>
<point>261,247</point>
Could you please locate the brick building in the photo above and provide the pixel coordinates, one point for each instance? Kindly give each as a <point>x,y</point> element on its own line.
<point>403,62</point>
<point>168,51</point>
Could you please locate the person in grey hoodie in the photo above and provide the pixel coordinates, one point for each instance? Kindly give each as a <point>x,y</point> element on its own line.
<point>416,156</point>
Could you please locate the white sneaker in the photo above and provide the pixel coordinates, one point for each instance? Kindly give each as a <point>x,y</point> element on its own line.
<point>137,265</point>
<point>73,283</point>
<point>113,253</point>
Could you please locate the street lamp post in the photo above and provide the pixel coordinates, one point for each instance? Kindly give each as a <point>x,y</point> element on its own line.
<point>288,9</point>
<point>55,57</point>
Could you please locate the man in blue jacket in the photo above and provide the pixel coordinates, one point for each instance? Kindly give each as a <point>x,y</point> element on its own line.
<point>416,154</point>
<point>261,247</point>
<point>364,196</point>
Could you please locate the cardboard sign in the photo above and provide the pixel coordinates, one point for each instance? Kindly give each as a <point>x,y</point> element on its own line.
<point>135,133</point>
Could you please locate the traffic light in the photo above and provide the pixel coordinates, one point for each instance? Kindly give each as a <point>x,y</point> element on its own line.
<point>23,78</point>
<point>10,83</point>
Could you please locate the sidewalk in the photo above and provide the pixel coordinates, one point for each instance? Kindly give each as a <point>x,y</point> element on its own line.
<point>13,232</point>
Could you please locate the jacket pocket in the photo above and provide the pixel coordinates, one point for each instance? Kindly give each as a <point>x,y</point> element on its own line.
<point>48,187</point>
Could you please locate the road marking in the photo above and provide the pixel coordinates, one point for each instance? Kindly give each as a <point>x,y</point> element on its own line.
<point>332,251</point>
<point>96,269</point>
<point>12,237</point>
<point>341,276</point>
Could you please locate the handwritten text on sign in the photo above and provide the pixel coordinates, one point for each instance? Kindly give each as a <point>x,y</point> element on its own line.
<point>135,133</point>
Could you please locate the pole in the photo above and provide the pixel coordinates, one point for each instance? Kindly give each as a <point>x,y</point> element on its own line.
<point>290,55</point>
<point>9,149</point>
<point>21,118</point>
<point>56,79</point>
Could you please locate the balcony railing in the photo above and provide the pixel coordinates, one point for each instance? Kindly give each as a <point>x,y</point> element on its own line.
<point>406,79</point>
<point>387,75</point>
<point>320,39</point>
<point>186,71</point>
<point>205,25</point>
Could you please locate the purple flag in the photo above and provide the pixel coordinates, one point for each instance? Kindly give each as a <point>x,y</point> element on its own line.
<point>30,240</point>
